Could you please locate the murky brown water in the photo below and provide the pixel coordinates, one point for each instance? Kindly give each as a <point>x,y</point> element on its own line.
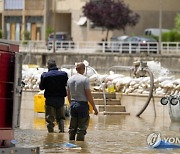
<point>106,134</point>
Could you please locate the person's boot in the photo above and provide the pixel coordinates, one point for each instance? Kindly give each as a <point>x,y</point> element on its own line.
<point>72,136</point>
<point>61,126</point>
<point>50,130</point>
<point>80,137</point>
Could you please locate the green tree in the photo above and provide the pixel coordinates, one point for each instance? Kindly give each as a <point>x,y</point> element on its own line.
<point>177,22</point>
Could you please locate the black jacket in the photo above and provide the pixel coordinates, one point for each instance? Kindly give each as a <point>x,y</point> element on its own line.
<point>54,83</point>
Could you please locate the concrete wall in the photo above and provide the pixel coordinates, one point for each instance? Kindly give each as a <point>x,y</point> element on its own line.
<point>1,6</point>
<point>100,61</point>
<point>153,5</point>
<point>66,5</point>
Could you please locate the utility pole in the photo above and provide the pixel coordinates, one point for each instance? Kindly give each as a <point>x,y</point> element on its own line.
<point>160,25</point>
<point>54,26</point>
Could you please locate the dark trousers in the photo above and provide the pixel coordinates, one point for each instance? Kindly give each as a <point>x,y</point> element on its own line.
<point>79,120</point>
<point>53,114</point>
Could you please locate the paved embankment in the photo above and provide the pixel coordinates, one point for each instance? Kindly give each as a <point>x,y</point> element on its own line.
<point>100,61</point>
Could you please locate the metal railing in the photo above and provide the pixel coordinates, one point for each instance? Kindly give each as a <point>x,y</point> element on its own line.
<point>166,48</point>
<point>170,48</point>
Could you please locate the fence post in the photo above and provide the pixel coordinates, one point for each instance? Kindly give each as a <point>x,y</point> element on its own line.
<point>103,46</point>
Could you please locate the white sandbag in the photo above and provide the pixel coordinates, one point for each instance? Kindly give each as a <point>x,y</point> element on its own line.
<point>41,92</point>
<point>177,81</point>
<point>113,76</point>
<point>93,78</point>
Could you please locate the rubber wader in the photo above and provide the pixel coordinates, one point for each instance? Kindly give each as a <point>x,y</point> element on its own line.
<point>61,126</point>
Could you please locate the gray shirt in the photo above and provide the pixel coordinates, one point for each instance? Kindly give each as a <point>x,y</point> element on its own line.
<point>77,85</point>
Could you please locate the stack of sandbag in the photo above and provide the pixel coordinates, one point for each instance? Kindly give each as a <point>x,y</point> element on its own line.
<point>125,84</point>
<point>31,77</point>
<point>163,84</point>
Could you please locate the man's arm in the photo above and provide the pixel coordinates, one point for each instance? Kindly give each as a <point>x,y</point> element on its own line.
<point>68,95</point>
<point>91,101</point>
<point>41,85</point>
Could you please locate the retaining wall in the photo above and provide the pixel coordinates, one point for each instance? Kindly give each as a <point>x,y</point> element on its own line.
<point>100,61</point>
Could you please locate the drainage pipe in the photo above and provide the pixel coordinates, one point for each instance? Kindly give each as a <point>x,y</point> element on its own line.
<point>104,95</point>
<point>150,91</point>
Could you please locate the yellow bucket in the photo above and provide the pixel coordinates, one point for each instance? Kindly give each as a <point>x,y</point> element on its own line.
<point>39,103</point>
<point>33,66</point>
<point>111,89</point>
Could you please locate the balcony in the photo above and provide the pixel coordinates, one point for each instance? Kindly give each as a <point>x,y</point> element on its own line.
<point>68,5</point>
<point>34,4</point>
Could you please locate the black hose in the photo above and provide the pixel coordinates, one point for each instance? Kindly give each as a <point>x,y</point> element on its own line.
<point>150,91</point>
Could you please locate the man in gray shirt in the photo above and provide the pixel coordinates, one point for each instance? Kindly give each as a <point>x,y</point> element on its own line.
<point>79,93</point>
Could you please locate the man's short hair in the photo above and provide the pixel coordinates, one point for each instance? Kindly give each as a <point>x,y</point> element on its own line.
<point>51,63</point>
<point>79,65</point>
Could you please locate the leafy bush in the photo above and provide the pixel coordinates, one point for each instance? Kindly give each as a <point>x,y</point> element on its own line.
<point>24,42</point>
<point>172,36</point>
<point>48,31</point>
<point>26,35</point>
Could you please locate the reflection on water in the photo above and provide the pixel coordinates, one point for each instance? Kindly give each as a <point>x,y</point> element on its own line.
<point>175,126</point>
<point>106,134</point>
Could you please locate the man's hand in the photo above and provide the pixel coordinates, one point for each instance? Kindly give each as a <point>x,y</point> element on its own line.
<point>95,111</point>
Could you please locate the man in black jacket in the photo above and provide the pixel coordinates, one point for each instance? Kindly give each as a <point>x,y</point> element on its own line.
<point>54,83</point>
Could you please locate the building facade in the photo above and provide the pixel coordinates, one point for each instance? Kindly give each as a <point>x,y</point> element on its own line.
<point>33,17</point>
<point>23,18</point>
<point>153,14</point>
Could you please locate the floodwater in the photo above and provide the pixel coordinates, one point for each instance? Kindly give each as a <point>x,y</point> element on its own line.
<point>106,133</point>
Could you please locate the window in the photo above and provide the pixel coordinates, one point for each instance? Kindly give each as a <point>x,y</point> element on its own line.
<point>13,4</point>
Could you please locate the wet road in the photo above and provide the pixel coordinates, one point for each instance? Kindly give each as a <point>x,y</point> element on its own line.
<point>106,134</point>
